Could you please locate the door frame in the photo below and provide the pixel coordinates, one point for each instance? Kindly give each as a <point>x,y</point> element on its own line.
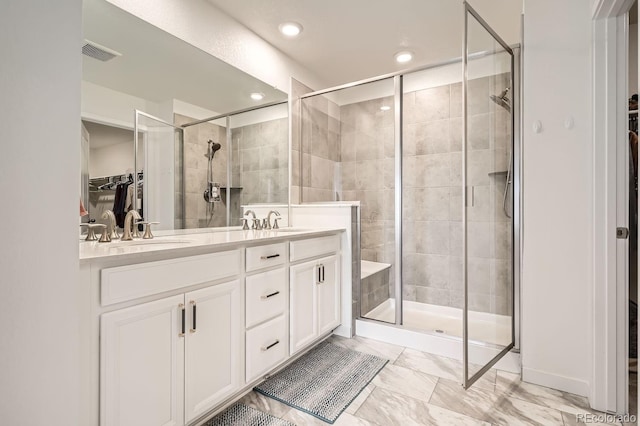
<point>609,379</point>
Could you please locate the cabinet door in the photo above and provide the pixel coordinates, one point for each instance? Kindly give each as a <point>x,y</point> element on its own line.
<point>213,352</point>
<point>328,294</point>
<point>302,306</point>
<point>142,365</point>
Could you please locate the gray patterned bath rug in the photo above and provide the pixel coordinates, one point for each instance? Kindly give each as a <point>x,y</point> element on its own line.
<point>324,381</point>
<point>242,415</point>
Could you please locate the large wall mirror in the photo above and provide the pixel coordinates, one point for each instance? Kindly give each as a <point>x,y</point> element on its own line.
<point>196,176</point>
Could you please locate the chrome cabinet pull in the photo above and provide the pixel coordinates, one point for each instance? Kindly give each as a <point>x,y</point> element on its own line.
<point>273,256</point>
<point>266,296</point>
<point>322,266</point>
<point>319,280</point>
<point>193,318</point>
<point>266,348</point>
<point>182,328</point>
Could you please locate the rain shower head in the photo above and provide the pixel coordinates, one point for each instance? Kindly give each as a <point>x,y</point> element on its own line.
<point>502,100</point>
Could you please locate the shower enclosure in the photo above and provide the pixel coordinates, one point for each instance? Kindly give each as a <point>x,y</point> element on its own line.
<point>431,156</point>
<point>200,173</point>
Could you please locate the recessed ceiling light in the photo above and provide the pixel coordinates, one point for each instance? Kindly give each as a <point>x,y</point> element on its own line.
<point>403,57</point>
<point>257,96</point>
<point>290,29</point>
<point>385,108</point>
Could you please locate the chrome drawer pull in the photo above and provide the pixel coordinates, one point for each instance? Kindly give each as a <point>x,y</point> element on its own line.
<point>273,256</point>
<point>266,296</point>
<point>266,348</point>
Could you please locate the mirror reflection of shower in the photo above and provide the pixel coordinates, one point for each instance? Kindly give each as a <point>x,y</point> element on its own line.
<point>503,101</point>
<point>212,192</point>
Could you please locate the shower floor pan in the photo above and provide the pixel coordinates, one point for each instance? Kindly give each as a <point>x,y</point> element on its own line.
<point>446,321</point>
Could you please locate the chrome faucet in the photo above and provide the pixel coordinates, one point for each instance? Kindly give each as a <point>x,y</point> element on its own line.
<point>275,222</point>
<point>112,233</point>
<point>128,225</point>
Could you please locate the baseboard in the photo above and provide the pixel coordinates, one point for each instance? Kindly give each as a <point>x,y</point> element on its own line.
<point>555,381</point>
<point>343,331</point>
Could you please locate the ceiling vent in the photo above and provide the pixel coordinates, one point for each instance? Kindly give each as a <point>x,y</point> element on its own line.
<point>98,52</point>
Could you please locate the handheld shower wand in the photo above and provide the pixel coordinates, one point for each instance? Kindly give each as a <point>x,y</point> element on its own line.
<point>212,193</point>
<point>503,101</point>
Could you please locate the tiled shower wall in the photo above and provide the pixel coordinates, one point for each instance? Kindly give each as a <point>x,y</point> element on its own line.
<point>320,149</point>
<point>260,163</point>
<point>198,213</point>
<point>432,180</point>
<point>363,169</point>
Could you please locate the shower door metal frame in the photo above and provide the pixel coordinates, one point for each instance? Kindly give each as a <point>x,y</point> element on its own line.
<point>466,380</point>
<point>398,98</point>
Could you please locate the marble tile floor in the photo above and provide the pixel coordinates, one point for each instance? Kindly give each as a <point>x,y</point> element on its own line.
<point>417,388</point>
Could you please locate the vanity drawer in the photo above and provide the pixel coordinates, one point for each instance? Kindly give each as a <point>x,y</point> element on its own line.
<point>264,256</point>
<point>312,247</point>
<point>266,296</point>
<point>145,279</point>
<point>266,347</point>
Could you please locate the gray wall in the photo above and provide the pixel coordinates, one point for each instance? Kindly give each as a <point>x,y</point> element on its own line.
<point>261,161</point>
<point>432,181</point>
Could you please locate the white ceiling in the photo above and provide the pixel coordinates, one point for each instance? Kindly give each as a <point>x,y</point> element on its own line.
<point>348,40</point>
<point>159,67</point>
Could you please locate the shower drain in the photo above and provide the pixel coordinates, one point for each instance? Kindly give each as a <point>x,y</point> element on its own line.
<point>439,331</point>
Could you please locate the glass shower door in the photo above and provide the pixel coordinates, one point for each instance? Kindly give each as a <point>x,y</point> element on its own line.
<point>158,173</point>
<point>349,151</point>
<point>487,160</point>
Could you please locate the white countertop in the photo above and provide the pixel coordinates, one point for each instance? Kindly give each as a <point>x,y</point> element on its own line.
<point>183,239</point>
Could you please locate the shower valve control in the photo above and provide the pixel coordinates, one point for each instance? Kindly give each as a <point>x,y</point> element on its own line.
<point>622,233</point>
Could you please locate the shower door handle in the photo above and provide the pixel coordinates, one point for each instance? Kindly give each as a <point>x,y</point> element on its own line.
<point>470,191</point>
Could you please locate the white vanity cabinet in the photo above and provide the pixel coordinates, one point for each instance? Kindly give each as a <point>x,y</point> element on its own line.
<point>169,361</point>
<point>314,291</point>
<point>213,347</point>
<point>142,358</point>
<point>174,337</point>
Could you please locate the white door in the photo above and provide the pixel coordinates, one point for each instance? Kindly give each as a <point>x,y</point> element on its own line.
<point>142,365</point>
<point>328,294</point>
<point>213,352</point>
<point>303,313</point>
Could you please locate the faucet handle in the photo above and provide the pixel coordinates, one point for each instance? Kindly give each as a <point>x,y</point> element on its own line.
<point>91,230</point>
<point>147,230</point>
<point>266,224</point>
<point>106,236</point>
<point>256,225</point>
<point>275,222</point>
<point>245,225</point>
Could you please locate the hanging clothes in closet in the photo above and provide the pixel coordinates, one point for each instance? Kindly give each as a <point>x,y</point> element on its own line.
<point>120,201</point>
